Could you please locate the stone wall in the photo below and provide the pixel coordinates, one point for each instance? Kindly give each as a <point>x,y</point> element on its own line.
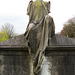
<point>59,57</point>
<point>14,62</point>
<point>58,61</point>
<point>61,62</point>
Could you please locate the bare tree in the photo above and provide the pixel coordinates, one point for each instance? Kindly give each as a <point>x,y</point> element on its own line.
<point>10,29</point>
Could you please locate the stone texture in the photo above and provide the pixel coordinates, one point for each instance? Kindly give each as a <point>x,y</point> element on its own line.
<point>61,40</point>
<point>14,63</point>
<point>15,41</point>
<point>61,63</point>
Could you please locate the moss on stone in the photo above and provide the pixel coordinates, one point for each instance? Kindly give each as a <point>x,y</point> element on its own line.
<point>38,6</point>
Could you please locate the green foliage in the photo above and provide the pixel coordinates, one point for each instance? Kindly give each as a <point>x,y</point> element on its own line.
<point>3,35</point>
<point>10,30</point>
<point>7,31</point>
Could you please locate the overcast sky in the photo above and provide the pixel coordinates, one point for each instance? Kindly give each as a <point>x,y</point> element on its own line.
<point>14,12</point>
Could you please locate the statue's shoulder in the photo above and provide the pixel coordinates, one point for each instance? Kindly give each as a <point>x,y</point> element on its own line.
<point>39,3</point>
<point>36,2</point>
<point>46,2</point>
<point>30,2</point>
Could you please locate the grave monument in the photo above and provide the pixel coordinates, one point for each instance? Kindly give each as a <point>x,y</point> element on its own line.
<point>39,51</point>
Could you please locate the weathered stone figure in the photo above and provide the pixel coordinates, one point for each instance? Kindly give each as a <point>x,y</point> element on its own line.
<point>39,31</point>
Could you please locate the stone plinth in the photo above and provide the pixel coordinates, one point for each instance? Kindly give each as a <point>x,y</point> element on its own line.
<point>59,57</point>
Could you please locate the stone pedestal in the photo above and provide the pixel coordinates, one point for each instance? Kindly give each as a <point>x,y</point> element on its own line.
<point>59,57</point>
<point>58,61</point>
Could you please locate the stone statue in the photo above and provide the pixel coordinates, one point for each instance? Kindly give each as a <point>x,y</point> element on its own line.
<point>39,31</point>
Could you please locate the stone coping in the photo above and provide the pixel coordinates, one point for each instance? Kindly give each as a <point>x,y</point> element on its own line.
<point>57,40</point>
<point>49,48</point>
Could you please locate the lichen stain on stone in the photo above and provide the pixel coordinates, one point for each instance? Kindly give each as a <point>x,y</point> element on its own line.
<point>2,69</point>
<point>1,57</point>
<point>1,64</point>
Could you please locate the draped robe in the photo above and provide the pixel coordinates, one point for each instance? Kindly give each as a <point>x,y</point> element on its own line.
<point>39,31</point>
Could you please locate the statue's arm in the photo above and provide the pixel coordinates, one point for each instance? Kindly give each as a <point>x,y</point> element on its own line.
<point>29,7</point>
